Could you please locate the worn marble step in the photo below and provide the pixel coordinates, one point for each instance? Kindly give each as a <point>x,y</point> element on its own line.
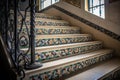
<point>109,70</point>
<point>49,53</point>
<point>48,40</point>
<point>58,68</point>
<point>45,30</point>
<point>46,22</point>
<point>41,15</point>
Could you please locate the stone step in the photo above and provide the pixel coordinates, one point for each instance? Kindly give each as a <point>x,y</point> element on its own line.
<point>41,15</point>
<point>45,30</point>
<point>109,70</point>
<point>49,53</point>
<point>58,68</point>
<point>48,40</point>
<point>46,22</point>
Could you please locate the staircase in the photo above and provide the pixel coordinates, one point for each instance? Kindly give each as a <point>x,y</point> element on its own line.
<point>68,54</point>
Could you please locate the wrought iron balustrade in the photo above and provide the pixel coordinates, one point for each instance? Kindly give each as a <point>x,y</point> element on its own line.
<point>10,9</point>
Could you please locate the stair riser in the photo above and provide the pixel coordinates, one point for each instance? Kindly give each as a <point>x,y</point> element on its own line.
<point>44,31</point>
<point>68,68</point>
<point>46,17</point>
<point>42,16</point>
<point>47,23</point>
<point>65,52</point>
<point>57,31</point>
<point>54,41</point>
<point>115,75</point>
<point>58,41</point>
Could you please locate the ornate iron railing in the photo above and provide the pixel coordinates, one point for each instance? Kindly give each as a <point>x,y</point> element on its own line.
<point>10,9</point>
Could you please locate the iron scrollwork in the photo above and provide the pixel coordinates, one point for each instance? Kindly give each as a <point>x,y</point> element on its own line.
<point>11,29</point>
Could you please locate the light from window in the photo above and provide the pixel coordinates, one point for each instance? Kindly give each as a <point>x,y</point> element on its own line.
<point>96,7</point>
<point>46,3</point>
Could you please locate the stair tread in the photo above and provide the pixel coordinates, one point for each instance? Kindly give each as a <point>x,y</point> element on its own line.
<point>63,45</point>
<point>98,71</point>
<point>70,59</point>
<point>61,35</point>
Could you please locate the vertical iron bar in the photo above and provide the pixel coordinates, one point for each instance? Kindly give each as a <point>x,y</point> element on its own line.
<point>92,7</point>
<point>15,29</point>
<point>33,64</point>
<point>32,31</point>
<point>3,21</point>
<point>6,20</point>
<point>51,2</point>
<point>100,7</point>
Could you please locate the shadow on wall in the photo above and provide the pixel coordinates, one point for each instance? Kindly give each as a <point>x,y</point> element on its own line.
<point>111,1</point>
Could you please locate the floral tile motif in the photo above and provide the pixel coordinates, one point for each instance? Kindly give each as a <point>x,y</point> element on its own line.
<point>65,70</point>
<point>53,41</point>
<point>44,31</point>
<point>50,55</point>
<point>48,17</point>
<point>57,31</point>
<point>58,41</point>
<point>46,23</point>
<point>45,16</point>
<point>42,16</point>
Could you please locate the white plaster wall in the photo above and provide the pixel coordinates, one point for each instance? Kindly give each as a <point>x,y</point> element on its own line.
<point>105,23</point>
<point>114,12</point>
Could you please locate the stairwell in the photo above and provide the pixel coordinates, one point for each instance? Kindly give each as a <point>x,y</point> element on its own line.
<point>68,54</point>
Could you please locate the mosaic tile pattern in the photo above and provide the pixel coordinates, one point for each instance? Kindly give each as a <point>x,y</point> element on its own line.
<point>113,76</point>
<point>57,31</point>
<point>45,31</point>
<point>58,41</point>
<point>65,70</point>
<point>24,42</point>
<point>60,53</point>
<point>46,23</point>
<point>46,17</point>
<point>41,15</point>
<point>97,27</point>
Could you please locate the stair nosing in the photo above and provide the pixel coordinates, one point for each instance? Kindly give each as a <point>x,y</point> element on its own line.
<point>60,35</point>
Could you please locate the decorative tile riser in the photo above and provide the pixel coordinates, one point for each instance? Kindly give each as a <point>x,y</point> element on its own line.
<point>57,54</point>
<point>54,41</point>
<point>58,41</point>
<point>66,70</point>
<point>43,16</point>
<point>46,23</point>
<point>113,76</point>
<point>46,17</point>
<point>57,31</point>
<point>43,31</point>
